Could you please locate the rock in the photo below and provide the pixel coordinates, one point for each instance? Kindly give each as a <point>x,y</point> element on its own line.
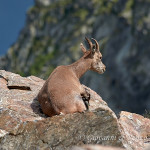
<point>136,129</point>
<point>147,148</point>
<point>96,147</point>
<point>24,126</point>
<point>95,100</point>
<point>16,97</point>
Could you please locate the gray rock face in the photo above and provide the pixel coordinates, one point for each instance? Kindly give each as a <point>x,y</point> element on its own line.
<point>55,28</point>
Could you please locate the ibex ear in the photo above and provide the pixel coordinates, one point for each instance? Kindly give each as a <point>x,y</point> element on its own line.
<point>83,48</point>
<point>93,48</point>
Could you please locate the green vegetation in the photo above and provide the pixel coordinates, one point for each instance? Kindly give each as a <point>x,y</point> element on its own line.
<point>105,6</point>
<point>103,42</point>
<point>14,57</point>
<point>142,21</point>
<point>147,114</point>
<point>129,5</point>
<point>76,51</point>
<point>127,12</point>
<point>61,4</point>
<point>46,16</point>
<point>39,63</point>
<point>40,46</point>
<point>81,13</point>
<point>37,45</point>
<point>49,71</point>
<point>21,73</point>
<point>33,9</point>
<point>51,19</point>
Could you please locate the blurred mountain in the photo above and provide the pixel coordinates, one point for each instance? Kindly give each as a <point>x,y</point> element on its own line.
<point>54,30</point>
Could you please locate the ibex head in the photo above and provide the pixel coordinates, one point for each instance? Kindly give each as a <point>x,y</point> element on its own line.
<point>94,54</point>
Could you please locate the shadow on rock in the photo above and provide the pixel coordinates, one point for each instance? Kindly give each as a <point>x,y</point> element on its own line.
<point>37,108</point>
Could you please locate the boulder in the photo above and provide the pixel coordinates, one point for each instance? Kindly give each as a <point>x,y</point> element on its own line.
<point>96,147</point>
<point>136,129</point>
<point>24,126</point>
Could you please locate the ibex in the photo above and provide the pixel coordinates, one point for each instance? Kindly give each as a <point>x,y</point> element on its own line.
<point>63,93</point>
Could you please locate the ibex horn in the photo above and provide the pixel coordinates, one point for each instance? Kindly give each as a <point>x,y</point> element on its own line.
<point>90,43</point>
<point>97,45</point>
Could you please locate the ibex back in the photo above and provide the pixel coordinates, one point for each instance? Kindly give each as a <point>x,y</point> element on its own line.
<point>63,93</point>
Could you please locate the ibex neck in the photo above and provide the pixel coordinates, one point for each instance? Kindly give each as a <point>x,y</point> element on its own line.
<point>81,66</point>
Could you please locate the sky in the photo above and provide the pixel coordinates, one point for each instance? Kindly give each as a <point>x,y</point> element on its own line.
<point>12,20</point>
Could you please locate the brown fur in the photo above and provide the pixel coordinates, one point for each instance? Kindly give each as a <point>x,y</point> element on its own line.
<point>63,93</point>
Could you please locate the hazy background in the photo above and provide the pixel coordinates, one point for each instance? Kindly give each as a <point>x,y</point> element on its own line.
<point>12,15</point>
<point>54,29</point>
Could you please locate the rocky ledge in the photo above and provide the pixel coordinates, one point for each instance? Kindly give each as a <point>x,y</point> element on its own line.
<point>24,126</point>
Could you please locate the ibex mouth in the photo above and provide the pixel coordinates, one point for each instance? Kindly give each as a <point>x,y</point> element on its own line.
<point>103,70</point>
<point>100,71</point>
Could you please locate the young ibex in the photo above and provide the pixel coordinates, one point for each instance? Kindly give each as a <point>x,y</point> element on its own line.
<point>63,93</point>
